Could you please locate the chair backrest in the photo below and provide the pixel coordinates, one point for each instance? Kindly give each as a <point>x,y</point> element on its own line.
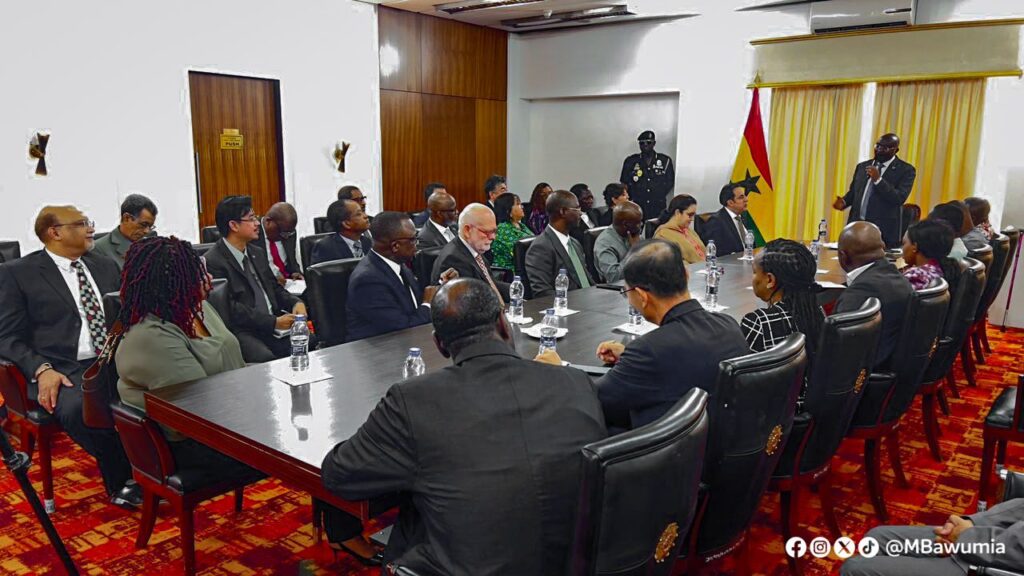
<point>111,308</point>
<point>910,214</point>
<point>209,234</point>
<point>9,250</point>
<point>839,371</point>
<point>995,275</point>
<point>701,222</point>
<point>14,389</point>
<point>423,265</point>
<point>519,261</point>
<point>202,249</point>
<point>589,238</point>
<point>919,339</point>
<point>984,255</point>
<point>306,247</point>
<point>638,494</point>
<point>144,443</point>
<point>320,225</point>
<point>963,305</point>
<point>220,298</point>
<point>650,225</point>
<point>326,293</point>
<point>751,415</point>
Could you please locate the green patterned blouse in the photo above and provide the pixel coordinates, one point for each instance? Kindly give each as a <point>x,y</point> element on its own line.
<point>506,239</point>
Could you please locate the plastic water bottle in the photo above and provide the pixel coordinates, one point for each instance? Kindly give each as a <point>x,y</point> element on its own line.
<point>300,343</point>
<point>548,330</point>
<point>413,365</point>
<point>711,257</point>
<point>815,249</point>
<point>822,232</point>
<point>562,290</point>
<point>711,288</point>
<point>748,246</point>
<point>635,317</point>
<point>515,304</point>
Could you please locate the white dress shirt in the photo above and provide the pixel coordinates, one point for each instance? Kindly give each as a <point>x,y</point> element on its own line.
<point>563,238</point>
<point>444,230</point>
<point>280,252</point>
<point>586,220</point>
<point>851,276</point>
<point>85,347</point>
<point>397,269</point>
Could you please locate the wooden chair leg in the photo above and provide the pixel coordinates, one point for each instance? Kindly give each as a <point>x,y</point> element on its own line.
<point>150,503</point>
<point>743,557</point>
<point>983,334</point>
<point>788,506</point>
<point>46,467</point>
<point>951,384</point>
<point>828,507</point>
<point>979,354</point>
<point>318,521</point>
<point>892,445</point>
<point>940,395</point>
<point>967,362</point>
<point>988,450</point>
<point>931,425</point>
<point>1001,453</point>
<point>239,497</point>
<point>871,467</point>
<point>26,438</point>
<point>188,537</point>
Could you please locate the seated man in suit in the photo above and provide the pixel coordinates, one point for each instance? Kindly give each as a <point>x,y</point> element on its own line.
<point>437,230</point>
<point>350,224</point>
<point>138,218</point>
<point>494,186</point>
<point>726,226</point>
<point>259,305</point>
<point>277,239</point>
<point>554,249</point>
<point>52,327</point>
<point>869,274</point>
<point>468,255</point>
<point>354,193</point>
<point>420,219</point>
<point>657,369</point>
<point>586,199</point>
<point>383,294</point>
<point>487,449</point>
<point>611,246</point>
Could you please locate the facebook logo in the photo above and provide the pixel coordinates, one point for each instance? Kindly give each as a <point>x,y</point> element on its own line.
<point>796,547</point>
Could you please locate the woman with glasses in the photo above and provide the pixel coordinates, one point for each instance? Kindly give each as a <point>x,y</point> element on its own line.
<point>508,211</point>
<point>538,219</point>
<point>675,225</point>
<point>138,220</point>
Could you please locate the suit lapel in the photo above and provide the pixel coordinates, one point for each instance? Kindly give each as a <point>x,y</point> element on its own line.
<point>49,271</point>
<point>396,285</point>
<point>562,254</point>
<point>461,247</point>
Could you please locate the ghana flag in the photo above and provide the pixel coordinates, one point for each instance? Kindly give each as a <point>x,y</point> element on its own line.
<point>753,173</point>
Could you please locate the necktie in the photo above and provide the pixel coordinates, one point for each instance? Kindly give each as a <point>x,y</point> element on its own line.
<point>448,234</point>
<point>581,272</point>
<point>741,228</point>
<point>278,262</point>
<point>357,249</point>
<point>91,305</point>
<point>254,283</point>
<point>867,195</point>
<point>487,275</point>
<point>405,275</point>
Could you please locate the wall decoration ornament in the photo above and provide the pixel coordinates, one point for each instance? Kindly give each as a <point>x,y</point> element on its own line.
<point>37,150</point>
<point>340,149</point>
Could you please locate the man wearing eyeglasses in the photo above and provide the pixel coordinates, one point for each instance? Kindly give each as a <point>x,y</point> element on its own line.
<point>52,326</point>
<point>649,175</point>
<point>878,190</point>
<point>277,238</point>
<point>468,254</point>
<point>138,219</point>
<point>614,242</point>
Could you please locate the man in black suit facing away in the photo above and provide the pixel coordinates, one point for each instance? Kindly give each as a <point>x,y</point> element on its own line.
<point>420,218</point>
<point>437,230</point>
<point>277,239</point>
<point>383,294</point>
<point>878,190</point>
<point>726,227</point>
<point>487,450</point>
<point>468,254</point>
<point>259,305</point>
<point>347,219</point>
<point>870,275</point>
<point>52,327</point>
<point>554,249</point>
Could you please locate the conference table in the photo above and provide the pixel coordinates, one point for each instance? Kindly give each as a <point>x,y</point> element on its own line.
<point>285,430</point>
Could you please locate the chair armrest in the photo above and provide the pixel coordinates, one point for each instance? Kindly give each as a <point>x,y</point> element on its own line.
<point>983,571</point>
<point>1014,487</point>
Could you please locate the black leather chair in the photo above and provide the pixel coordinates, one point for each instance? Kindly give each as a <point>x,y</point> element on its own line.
<point>1001,254</point>
<point>589,238</point>
<point>34,423</point>
<point>202,249</point>
<point>220,298</point>
<point>423,265</point>
<point>156,472</point>
<point>638,494</point>
<point>650,226</point>
<point>700,222</point>
<point>1004,423</point>
<point>320,225</point>
<point>209,234</point>
<point>519,261</point>
<point>889,393</point>
<point>111,308</point>
<point>959,319</point>
<point>986,256</point>
<point>845,351</point>
<point>326,293</point>
<point>751,416</point>
<point>9,250</point>
<point>306,247</point>
<point>909,214</point>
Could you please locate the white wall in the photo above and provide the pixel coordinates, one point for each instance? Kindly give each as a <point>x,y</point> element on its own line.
<point>109,80</point>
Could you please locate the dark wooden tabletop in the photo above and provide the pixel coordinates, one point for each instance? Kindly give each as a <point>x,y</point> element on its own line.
<point>287,430</point>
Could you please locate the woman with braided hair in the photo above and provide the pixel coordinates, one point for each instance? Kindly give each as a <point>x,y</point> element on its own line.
<point>784,278</point>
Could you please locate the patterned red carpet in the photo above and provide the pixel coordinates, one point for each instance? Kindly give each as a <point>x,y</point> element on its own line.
<point>273,533</point>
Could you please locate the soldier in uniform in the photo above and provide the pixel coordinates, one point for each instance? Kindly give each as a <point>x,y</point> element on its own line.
<point>649,175</point>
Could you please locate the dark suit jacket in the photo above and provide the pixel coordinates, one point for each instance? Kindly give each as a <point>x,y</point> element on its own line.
<point>883,281</point>
<point>39,319</point>
<point>420,218</point>
<point>721,228</point>
<point>379,303</point>
<point>248,312</point>
<point>658,368</point>
<point>545,257</point>
<point>334,247</point>
<point>292,265</point>
<point>885,207</point>
<point>429,237</point>
<point>488,451</point>
<point>456,255</point>
<point>602,216</point>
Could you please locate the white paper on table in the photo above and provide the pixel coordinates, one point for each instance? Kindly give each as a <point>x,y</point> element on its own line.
<point>831,245</point>
<point>830,285</point>
<point>524,320</point>
<point>820,271</point>
<point>296,287</point>
<point>284,373</point>
<point>638,330</point>
<point>715,308</point>
<point>565,312</point>
<point>703,271</point>
<point>534,331</point>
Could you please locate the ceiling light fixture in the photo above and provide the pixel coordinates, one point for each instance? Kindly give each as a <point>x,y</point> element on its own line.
<point>468,5</point>
<point>616,11</point>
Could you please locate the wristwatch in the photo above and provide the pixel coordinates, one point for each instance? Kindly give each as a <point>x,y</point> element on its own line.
<point>42,368</point>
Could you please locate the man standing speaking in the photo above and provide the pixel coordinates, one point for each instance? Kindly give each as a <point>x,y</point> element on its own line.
<point>879,188</point>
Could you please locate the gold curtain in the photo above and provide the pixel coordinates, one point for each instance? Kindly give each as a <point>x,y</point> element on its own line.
<point>939,125</point>
<point>814,134</point>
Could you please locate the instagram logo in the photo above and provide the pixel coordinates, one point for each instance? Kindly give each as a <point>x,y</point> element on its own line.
<point>820,547</point>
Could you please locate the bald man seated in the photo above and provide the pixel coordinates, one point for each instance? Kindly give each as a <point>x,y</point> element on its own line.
<point>611,246</point>
<point>870,275</point>
<point>52,327</point>
<point>467,254</point>
<point>437,231</point>
<point>277,239</point>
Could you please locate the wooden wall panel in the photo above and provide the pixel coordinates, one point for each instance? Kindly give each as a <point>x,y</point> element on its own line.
<point>490,141</point>
<point>447,149</point>
<point>463,60</point>
<point>401,128</point>
<point>400,33</point>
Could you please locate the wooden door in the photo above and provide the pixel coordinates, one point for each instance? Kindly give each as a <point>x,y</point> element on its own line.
<point>236,141</point>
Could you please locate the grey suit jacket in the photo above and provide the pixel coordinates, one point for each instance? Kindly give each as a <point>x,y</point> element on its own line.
<point>546,257</point>
<point>113,246</point>
<point>429,237</point>
<point>1003,523</point>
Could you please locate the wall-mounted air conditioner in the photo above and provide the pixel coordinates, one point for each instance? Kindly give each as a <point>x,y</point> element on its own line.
<point>843,15</point>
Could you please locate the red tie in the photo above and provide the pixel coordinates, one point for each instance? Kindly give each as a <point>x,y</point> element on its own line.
<point>276,256</point>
